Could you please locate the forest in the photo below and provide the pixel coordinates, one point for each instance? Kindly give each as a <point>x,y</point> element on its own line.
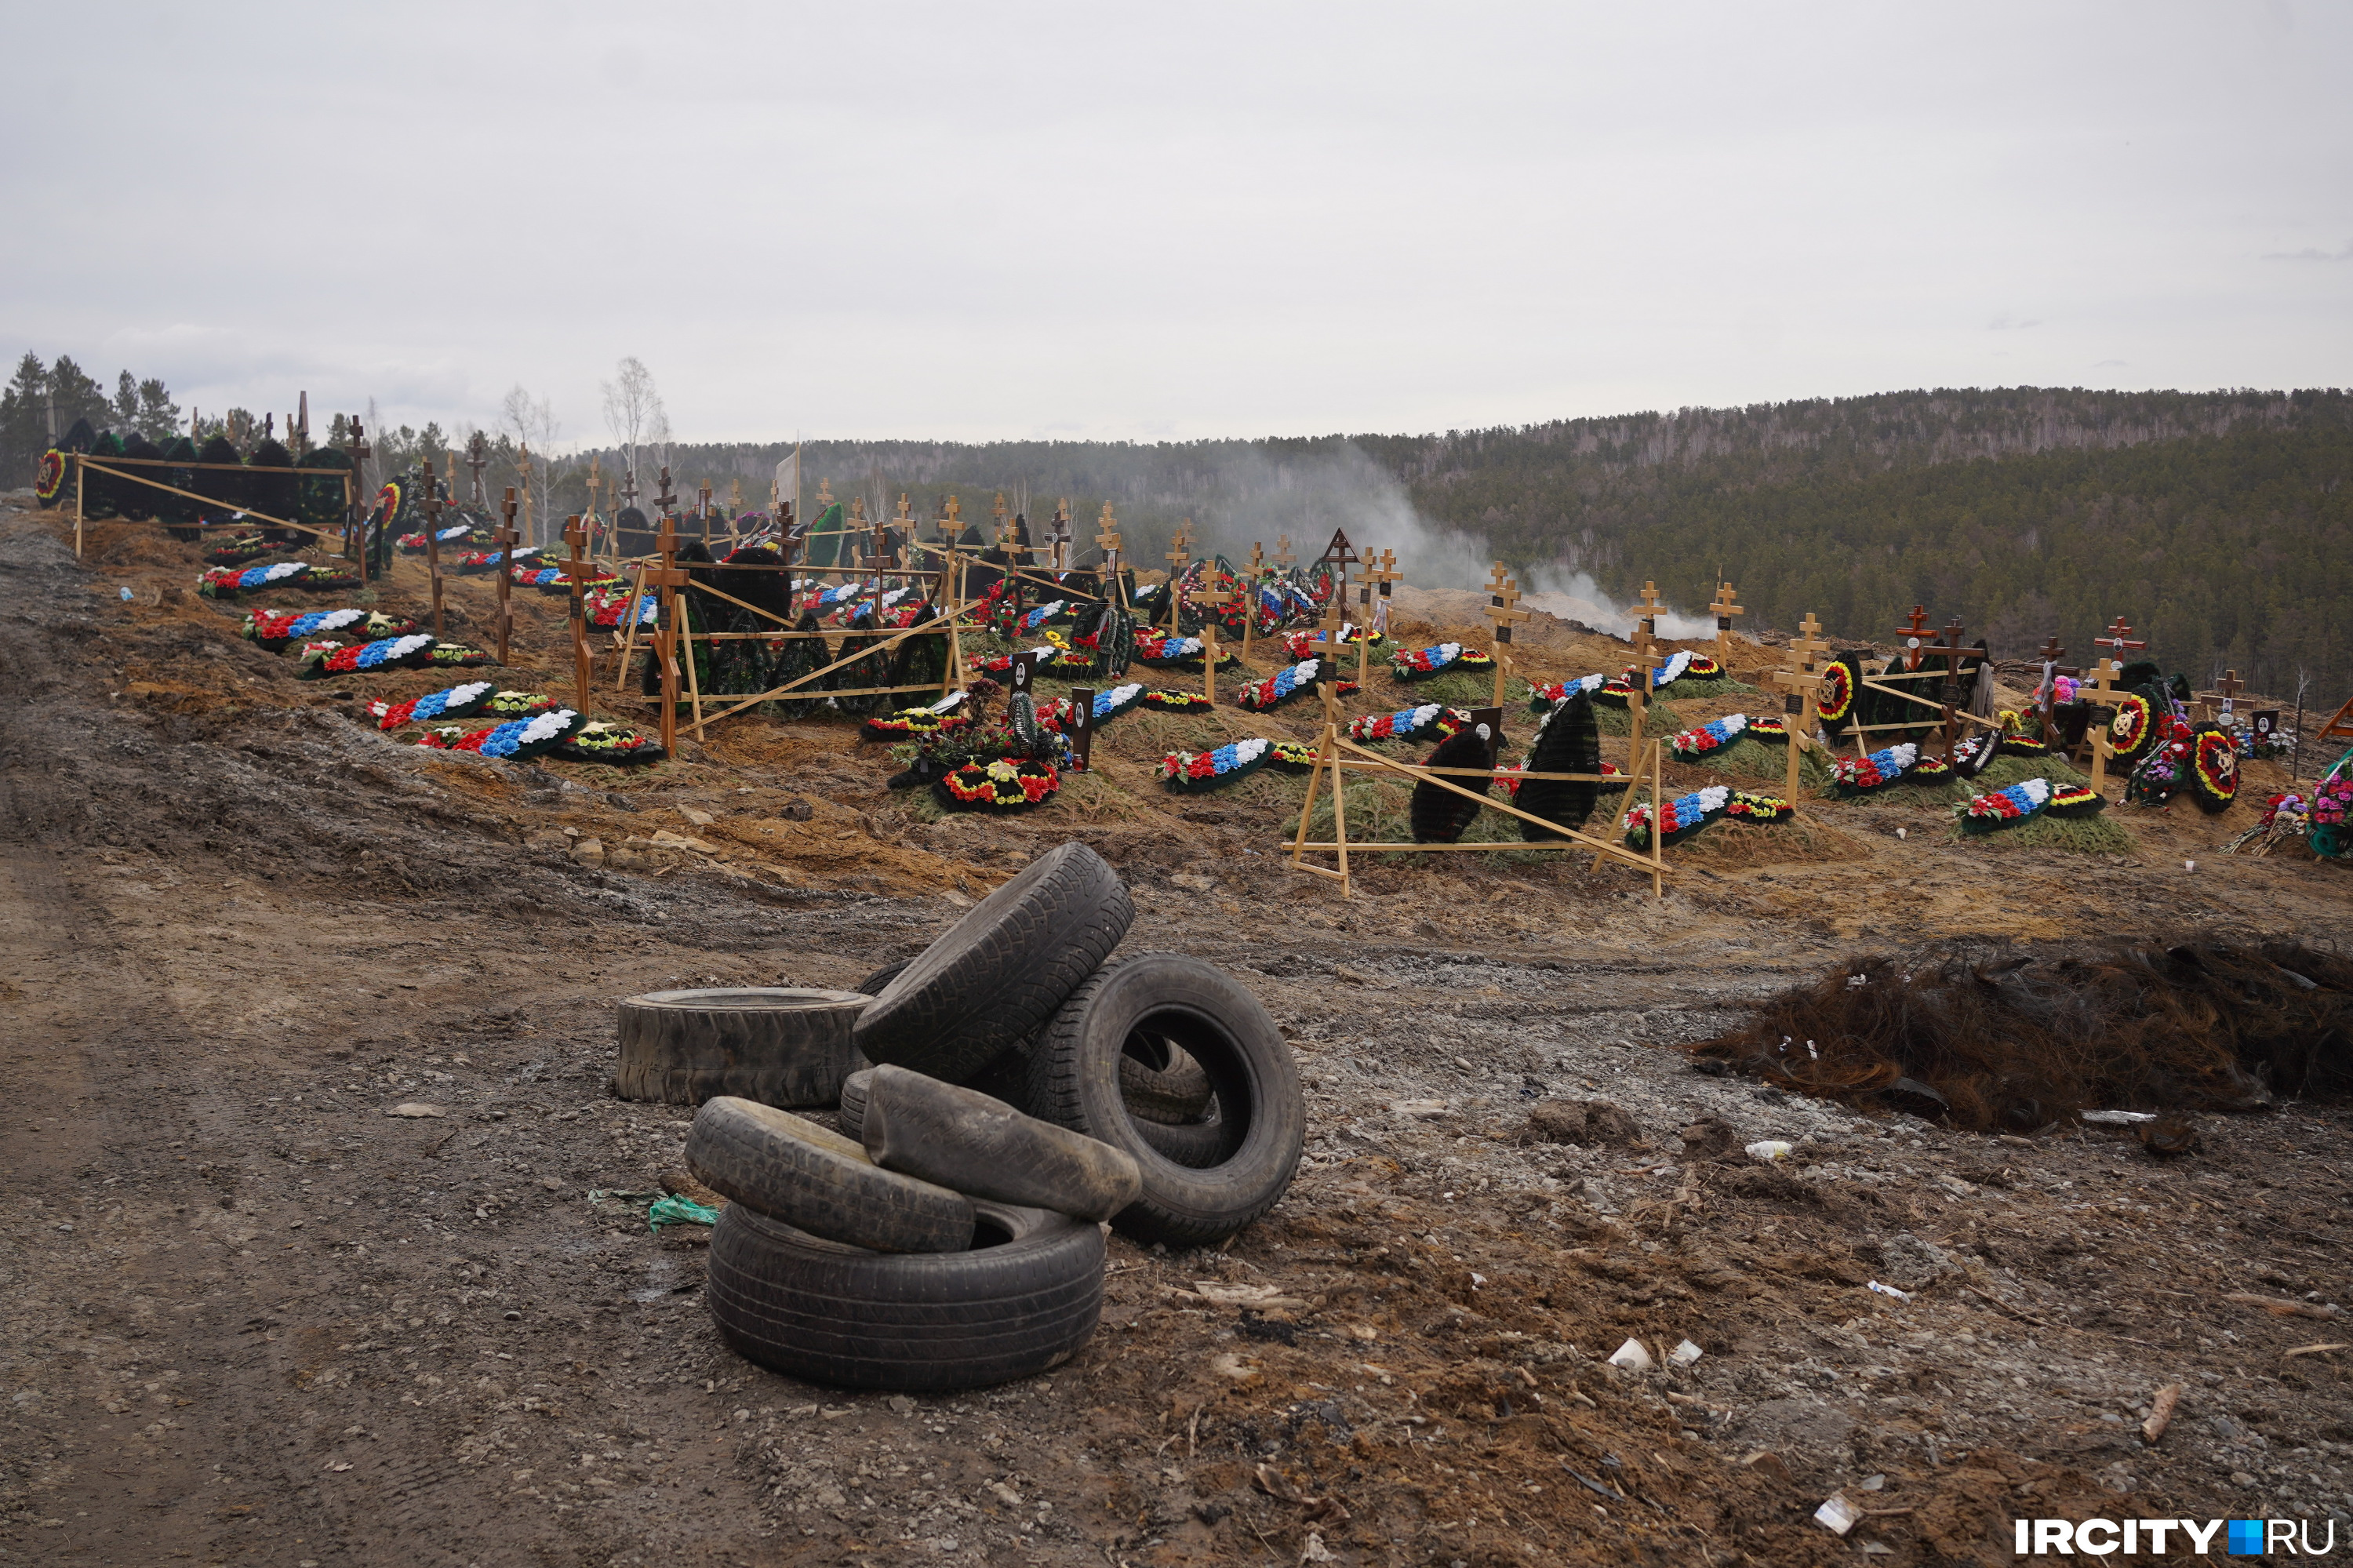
<point>2219,524</point>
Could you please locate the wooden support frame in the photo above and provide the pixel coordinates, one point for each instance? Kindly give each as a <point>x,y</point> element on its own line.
<point>83,464</point>
<point>1336,753</point>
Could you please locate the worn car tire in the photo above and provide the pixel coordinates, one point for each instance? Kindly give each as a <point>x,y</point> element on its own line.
<point>1007,1078</point>
<point>1021,1301</point>
<point>819,1182</point>
<point>1074,1080</point>
<point>996,976</point>
<point>1160,1083</point>
<point>978,1145</point>
<point>875,983</point>
<point>781,1047</point>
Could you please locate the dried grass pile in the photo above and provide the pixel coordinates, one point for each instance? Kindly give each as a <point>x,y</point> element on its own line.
<point>2011,1044</point>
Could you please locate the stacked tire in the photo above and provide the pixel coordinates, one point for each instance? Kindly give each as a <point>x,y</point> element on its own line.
<point>1158,1055</point>
<point>947,1240</point>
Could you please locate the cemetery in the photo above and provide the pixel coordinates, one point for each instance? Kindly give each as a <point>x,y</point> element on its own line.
<point>821,920</point>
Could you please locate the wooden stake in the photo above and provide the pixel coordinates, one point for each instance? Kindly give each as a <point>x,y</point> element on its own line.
<point>80,472</point>
<point>1646,629</point>
<point>1177,559</point>
<point>1726,609</point>
<point>667,580</point>
<point>576,536</point>
<point>503,542</point>
<point>433,545</point>
<point>1801,677</point>
<point>1219,596</point>
<point>630,631</point>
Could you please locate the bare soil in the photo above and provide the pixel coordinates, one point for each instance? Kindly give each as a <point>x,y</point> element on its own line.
<point>248,1316</point>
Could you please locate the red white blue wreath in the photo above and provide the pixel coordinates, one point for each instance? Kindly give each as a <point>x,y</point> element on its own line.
<point>1542,699</point>
<point>277,629</point>
<point>514,740</point>
<point>227,582</point>
<point>2005,808</point>
<point>1158,650</point>
<point>611,608</point>
<point>1431,721</point>
<point>474,561</point>
<point>1302,644</point>
<point>1713,736</point>
<point>1192,772</point>
<point>413,544</point>
<point>1421,663</point>
<point>1854,775</point>
<point>1108,706</point>
<point>455,702</point>
<point>1052,610</point>
<point>323,659</point>
<point>1678,819</point>
<point>1285,684</point>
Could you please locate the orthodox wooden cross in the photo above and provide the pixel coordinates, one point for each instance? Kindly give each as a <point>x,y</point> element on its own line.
<point>1283,558</point>
<point>1913,633</point>
<point>1637,696</point>
<point>2120,638</point>
<point>2046,696</point>
<point>477,458</point>
<point>1385,574</point>
<point>525,467</point>
<point>1339,552</point>
<point>1503,611</point>
<point>824,495</point>
<point>1215,596</point>
<point>432,544</point>
<point>1946,645</point>
<point>1179,547</point>
<point>1800,676</point>
<point>579,537</point>
<point>1058,541</point>
<point>354,532</point>
<point>1107,540</point>
<point>595,488</point>
<point>665,500</point>
<point>1725,607</point>
<point>666,579</point>
<point>1249,597</point>
<point>503,542</point>
<point>2228,688</point>
<point>1001,523</point>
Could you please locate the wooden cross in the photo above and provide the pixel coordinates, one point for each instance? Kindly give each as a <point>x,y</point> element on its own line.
<point>1385,574</point>
<point>1107,540</point>
<point>1283,558</point>
<point>666,579</point>
<point>503,542</point>
<point>824,494</point>
<point>579,537</point>
<point>1058,539</point>
<point>2120,638</point>
<point>1646,628</point>
<point>2047,695</point>
<point>1800,676</point>
<point>951,519</point>
<point>354,544</point>
<point>1913,633</point>
<point>1180,547</point>
<point>1339,552</point>
<point>477,458</point>
<point>1365,574</point>
<point>526,465</point>
<point>1217,594</point>
<point>665,501</point>
<point>595,486</point>
<point>2221,701</point>
<point>1726,609</point>
<point>1002,523</point>
<point>1503,611</point>
<point>433,545</point>
<point>1946,645</point>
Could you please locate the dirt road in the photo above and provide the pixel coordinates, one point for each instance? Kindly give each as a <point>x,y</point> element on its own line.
<point>248,1316</point>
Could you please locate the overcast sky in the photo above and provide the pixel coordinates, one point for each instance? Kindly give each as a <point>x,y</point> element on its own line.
<point>1149,222</point>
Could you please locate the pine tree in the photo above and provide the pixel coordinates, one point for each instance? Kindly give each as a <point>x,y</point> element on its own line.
<point>24,420</point>
<point>159,416</point>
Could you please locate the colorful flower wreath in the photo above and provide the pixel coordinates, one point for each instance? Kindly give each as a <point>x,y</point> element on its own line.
<point>1431,721</point>
<point>512,705</point>
<point>2076,800</point>
<point>913,722</point>
<point>1421,663</point>
<point>1757,808</point>
<point>2015,745</point>
<point>2133,731</point>
<point>1177,702</point>
<point>1302,644</point>
<point>1678,819</point>
<point>514,740</point>
<point>1835,698</point>
<point>1285,684</point>
<point>275,628</point>
<point>1853,775</point>
<point>611,743</point>
<point>1542,698</point>
<point>610,609</point>
<point>227,582</point>
<point>1003,784</point>
<point>1191,772</point>
<point>457,656</point>
<point>1052,609</point>
<point>50,477</point>
<point>2005,808</point>
<point>1768,727</point>
<point>1108,706</point>
<point>413,544</point>
<point>1929,769</point>
<point>544,578</point>
<point>1159,651</point>
<point>240,550</point>
<point>2214,770</point>
<point>474,561</point>
<point>1713,736</point>
<point>455,702</point>
<point>1293,755</point>
<point>1704,667</point>
<point>320,660</point>
<point>1677,666</point>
